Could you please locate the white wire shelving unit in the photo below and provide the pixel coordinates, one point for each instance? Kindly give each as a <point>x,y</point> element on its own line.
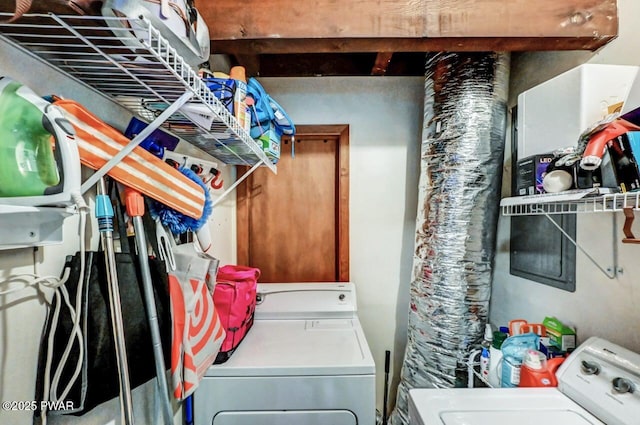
<point>570,202</point>
<point>129,61</point>
<point>576,202</point>
<point>473,371</point>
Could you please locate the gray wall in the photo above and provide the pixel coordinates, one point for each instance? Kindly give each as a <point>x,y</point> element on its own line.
<point>385,128</point>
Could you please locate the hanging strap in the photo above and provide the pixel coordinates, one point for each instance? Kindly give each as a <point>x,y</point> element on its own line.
<point>80,7</point>
<point>22,7</point>
<point>186,19</point>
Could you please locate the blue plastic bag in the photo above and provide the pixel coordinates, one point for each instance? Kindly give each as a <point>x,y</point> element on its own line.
<point>265,110</point>
<point>513,350</point>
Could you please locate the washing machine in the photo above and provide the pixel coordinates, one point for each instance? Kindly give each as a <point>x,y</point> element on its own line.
<point>305,361</point>
<point>599,383</point>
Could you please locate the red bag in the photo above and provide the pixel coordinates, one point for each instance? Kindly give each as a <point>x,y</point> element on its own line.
<point>235,300</point>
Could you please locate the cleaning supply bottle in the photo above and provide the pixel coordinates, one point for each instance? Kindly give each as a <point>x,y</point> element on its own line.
<point>484,363</point>
<point>488,336</point>
<point>495,354</point>
<point>241,114</point>
<point>485,355</point>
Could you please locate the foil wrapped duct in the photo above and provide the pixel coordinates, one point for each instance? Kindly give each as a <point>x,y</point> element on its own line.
<point>458,205</point>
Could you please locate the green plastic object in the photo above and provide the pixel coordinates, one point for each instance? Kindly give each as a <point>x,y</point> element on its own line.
<point>27,162</point>
<point>498,339</point>
<point>560,335</point>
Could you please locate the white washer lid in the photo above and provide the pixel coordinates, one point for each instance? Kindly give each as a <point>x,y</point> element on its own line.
<point>498,406</point>
<point>306,300</point>
<point>300,347</point>
<point>522,417</point>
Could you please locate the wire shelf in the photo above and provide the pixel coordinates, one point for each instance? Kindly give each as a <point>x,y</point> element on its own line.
<point>570,202</point>
<point>128,60</point>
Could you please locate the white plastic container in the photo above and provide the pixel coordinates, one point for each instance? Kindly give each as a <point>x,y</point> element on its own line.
<point>495,367</point>
<point>510,376</point>
<point>581,96</point>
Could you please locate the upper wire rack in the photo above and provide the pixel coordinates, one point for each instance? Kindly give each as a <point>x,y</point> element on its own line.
<point>129,60</point>
<point>538,205</point>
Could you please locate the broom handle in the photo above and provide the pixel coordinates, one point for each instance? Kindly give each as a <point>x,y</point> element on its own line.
<point>387,363</point>
<point>135,210</point>
<point>104,213</point>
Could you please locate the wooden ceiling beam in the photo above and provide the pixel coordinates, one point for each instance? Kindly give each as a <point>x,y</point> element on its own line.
<point>476,44</point>
<point>251,63</point>
<point>331,26</point>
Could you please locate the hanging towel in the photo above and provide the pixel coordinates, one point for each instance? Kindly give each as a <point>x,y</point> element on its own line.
<point>197,331</point>
<point>140,170</point>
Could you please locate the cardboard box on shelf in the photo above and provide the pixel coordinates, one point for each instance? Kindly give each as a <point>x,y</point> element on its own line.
<point>560,336</point>
<point>240,106</point>
<point>530,172</point>
<point>270,142</point>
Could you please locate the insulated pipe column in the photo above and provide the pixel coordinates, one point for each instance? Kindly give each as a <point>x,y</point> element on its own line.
<point>458,205</point>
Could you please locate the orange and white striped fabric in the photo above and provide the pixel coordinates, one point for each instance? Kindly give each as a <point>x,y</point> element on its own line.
<point>197,330</point>
<point>140,170</point>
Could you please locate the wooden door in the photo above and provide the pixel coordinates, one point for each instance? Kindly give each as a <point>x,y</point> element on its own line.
<point>293,226</point>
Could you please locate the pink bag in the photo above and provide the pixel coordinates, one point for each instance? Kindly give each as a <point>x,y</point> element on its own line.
<point>235,300</point>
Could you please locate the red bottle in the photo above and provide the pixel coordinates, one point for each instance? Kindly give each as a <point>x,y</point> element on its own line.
<point>537,371</point>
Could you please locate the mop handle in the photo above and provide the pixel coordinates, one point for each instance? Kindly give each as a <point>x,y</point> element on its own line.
<point>104,214</point>
<point>387,364</point>
<point>188,410</point>
<point>135,209</point>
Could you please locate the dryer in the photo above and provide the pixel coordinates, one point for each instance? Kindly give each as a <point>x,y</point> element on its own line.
<point>598,384</point>
<point>305,361</point>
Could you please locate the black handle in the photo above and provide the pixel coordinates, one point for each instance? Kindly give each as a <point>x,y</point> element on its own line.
<point>387,363</point>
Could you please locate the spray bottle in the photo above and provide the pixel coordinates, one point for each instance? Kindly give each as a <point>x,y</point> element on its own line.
<point>485,355</point>
<point>39,160</point>
<point>241,113</point>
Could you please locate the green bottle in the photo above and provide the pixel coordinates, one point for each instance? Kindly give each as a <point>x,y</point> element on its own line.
<point>27,163</point>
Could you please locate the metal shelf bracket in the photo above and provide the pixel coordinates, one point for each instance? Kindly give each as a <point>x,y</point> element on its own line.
<point>235,184</point>
<point>610,272</point>
<point>95,177</point>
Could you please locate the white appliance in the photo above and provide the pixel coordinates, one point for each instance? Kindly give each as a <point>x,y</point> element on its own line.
<point>598,384</point>
<point>305,361</point>
<point>552,115</point>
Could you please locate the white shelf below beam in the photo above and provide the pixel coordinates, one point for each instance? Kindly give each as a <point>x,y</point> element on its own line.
<point>570,202</point>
